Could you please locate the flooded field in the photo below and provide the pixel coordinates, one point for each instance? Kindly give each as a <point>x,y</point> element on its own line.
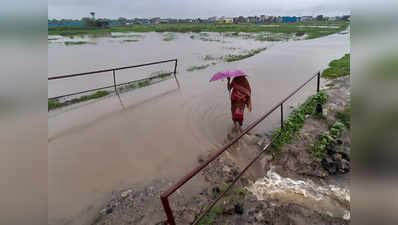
<point>158,131</point>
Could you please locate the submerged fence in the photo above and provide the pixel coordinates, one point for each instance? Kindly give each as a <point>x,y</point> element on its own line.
<point>164,197</point>
<point>113,70</point>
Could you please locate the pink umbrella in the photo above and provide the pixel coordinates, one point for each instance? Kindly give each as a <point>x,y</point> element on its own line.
<point>225,74</point>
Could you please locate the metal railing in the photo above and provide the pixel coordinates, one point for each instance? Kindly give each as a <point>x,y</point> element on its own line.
<point>113,70</point>
<point>164,197</point>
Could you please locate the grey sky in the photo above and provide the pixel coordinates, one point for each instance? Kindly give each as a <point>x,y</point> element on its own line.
<point>76,9</point>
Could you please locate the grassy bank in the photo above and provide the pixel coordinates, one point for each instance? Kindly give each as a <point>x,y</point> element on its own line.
<point>231,58</point>
<point>338,68</point>
<point>287,28</point>
<point>296,120</point>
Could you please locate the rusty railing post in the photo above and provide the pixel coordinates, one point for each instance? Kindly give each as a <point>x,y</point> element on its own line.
<point>318,108</point>
<point>167,209</point>
<point>114,81</point>
<point>282,116</point>
<point>175,73</point>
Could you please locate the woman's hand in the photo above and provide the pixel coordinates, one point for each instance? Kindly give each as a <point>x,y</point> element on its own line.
<point>250,108</point>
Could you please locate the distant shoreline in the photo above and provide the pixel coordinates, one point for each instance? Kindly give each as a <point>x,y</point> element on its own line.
<point>312,29</point>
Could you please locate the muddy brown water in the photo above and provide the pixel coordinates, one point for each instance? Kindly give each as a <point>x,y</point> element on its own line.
<point>98,147</point>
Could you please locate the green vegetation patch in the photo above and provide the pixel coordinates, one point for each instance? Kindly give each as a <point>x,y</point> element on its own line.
<point>345,116</point>
<point>129,40</point>
<point>77,42</point>
<point>137,84</point>
<point>296,120</point>
<point>143,83</point>
<point>55,103</point>
<point>287,28</point>
<point>209,57</point>
<point>169,37</point>
<point>338,68</point>
<point>192,68</point>
<point>231,196</point>
<point>231,58</point>
<point>327,140</point>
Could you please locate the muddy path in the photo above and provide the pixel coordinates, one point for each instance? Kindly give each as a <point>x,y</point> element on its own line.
<point>99,148</point>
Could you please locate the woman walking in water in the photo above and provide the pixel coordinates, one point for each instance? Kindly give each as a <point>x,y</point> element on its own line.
<point>240,98</point>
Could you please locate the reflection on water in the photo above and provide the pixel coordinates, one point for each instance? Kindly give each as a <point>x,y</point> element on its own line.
<point>100,147</point>
<point>331,200</point>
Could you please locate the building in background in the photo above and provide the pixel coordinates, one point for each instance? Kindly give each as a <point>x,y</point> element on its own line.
<point>155,20</point>
<point>289,19</point>
<point>212,19</point>
<point>306,18</point>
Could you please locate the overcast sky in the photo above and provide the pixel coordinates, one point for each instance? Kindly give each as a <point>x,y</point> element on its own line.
<point>76,9</point>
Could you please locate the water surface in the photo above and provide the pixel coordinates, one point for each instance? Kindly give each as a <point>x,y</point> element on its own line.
<point>101,147</point>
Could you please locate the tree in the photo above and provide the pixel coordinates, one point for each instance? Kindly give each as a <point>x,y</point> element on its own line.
<point>122,20</point>
<point>93,15</point>
<point>345,17</point>
<point>88,21</point>
<point>319,18</point>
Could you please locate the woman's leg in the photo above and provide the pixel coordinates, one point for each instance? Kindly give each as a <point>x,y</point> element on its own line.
<point>240,126</point>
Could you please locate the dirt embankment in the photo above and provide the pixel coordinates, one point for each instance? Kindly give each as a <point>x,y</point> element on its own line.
<point>291,187</point>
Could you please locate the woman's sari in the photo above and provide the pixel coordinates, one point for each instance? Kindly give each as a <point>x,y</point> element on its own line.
<point>240,98</point>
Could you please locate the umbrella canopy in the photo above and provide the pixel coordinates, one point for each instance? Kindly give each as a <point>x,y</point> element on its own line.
<point>225,74</point>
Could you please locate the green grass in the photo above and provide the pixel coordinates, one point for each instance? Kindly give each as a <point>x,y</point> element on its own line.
<point>76,42</point>
<point>143,83</point>
<point>232,196</point>
<point>192,68</point>
<point>55,103</point>
<point>345,116</point>
<point>338,68</point>
<point>327,140</point>
<point>287,28</point>
<point>128,40</point>
<point>209,57</point>
<point>232,58</point>
<point>296,119</point>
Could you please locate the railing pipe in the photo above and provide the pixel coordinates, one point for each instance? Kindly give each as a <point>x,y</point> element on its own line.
<point>114,81</point>
<point>235,180</point>
<point>186,178</point>
<point>113,70</point>
<point>175,74</point>
<point>282,115</point>
<point>169,213</point>
<point>108,70</point>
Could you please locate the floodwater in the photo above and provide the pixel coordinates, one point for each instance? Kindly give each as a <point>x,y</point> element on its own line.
<point>158,131</point>
<point>330,200</point>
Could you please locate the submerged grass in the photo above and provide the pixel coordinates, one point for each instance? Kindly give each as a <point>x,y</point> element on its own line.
<point>338,68</point>
<point>130,40</point>
<point>231,58</point>
<point>296,120</point>
<point>192,68</point>
<point>55,103</point>
<point>169,37</point>
<point>77,42</point>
